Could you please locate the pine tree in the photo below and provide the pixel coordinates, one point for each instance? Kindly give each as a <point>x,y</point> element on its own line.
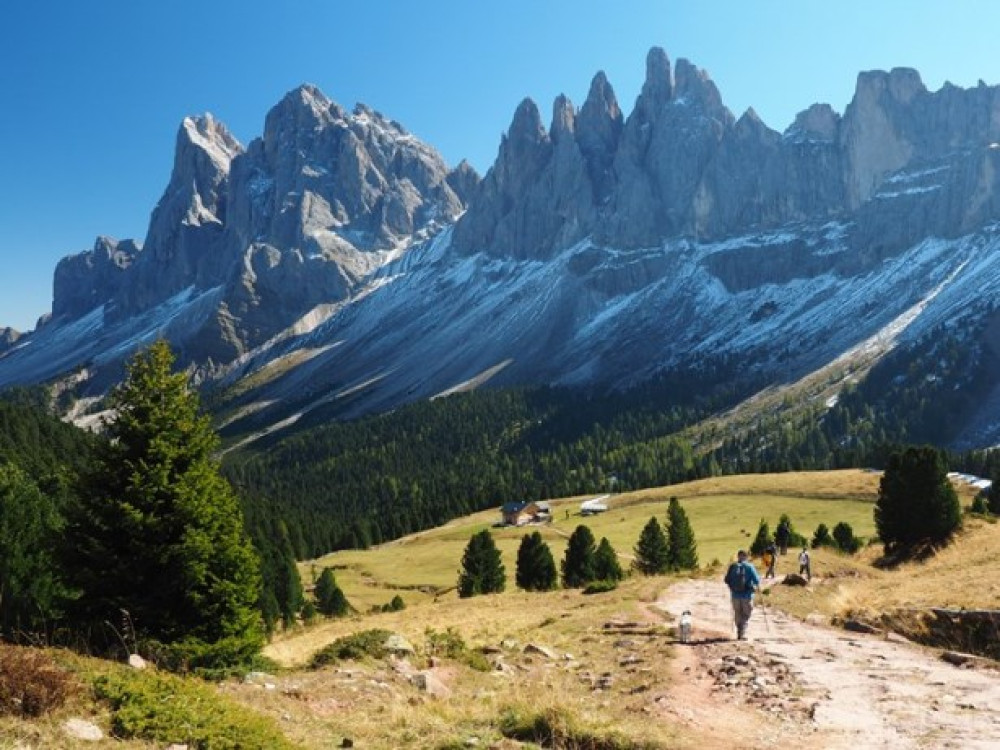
<point>652,555</point>
<point>606,565</point>
<point>683,551</point>
<point>821,537</point>
<point>330,599</point>
<point>844,539</point>
<point>31,592</point>
<point>536,569</point>
<point>578,563</point>
<point>916,501</point>
<point>482,571</point>
<point>993,497</point>
<point>158,533</point>
<point>762,540</point>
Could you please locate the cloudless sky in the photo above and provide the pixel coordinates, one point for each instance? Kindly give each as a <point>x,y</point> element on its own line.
<point>92,91</point>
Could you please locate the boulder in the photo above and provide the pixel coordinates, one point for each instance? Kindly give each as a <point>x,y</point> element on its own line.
<point>83,730</point>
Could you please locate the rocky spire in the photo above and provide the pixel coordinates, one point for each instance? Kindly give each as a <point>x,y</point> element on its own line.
<point>598,131</point>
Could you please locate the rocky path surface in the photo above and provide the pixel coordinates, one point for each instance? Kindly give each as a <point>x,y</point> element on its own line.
<point>831,688</point>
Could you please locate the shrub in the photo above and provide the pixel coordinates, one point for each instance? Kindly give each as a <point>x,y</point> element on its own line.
<point>979,505</point>
<point>821,537</point>
<point>843,537</point>
<point>450,644</point>
<point>164,708</point>
<point>31,683</point>
<point>361,645</point>
<point>600,587</point>
<point>556,728</point>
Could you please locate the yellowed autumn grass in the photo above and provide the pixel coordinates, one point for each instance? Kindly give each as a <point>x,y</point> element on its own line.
<point>724,513</point>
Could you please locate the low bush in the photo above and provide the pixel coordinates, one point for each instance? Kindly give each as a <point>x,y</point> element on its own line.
<point>600,587</point>
<point>450,644</point>
<point>31,683</point>
<point>556,728</point>
<point>164,708</point>
<point>366,644</point>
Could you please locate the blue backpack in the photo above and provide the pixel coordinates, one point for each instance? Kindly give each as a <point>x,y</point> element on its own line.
<point>737,578</point>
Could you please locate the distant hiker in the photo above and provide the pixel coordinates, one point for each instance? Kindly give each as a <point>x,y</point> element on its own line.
<point>742,580</point>
<point>770,557</point>
<point>781,535</point>
<point>804,564</point>
<point>685,626</point>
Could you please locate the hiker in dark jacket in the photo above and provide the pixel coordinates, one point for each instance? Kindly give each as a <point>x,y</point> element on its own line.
<point>742,580</point>
<point>781,535</point>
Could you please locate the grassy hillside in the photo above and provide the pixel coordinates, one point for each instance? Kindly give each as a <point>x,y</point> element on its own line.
<point>724,513</point>
<point>605,680</point>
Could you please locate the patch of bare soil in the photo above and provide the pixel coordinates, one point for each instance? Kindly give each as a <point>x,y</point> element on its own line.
<point>827,687</point>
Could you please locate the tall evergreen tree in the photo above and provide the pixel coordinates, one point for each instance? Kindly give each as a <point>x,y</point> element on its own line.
<point>330,599</point>
<point>683,550</point>
<point>158,533</point>
<point>916,501</point>
<point>993,497</point>
<point>482,570</point>
<point>536,569</point>
<point>31,593</point>
<point>606,565</point>
<point>652,555</point>
<point>578,562</point>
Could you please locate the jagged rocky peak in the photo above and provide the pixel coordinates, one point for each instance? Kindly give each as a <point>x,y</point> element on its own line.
<point>8,337</point>
<point>463,180</point>
<point>658,88</point>
<point>902,84</point>
<point>210,136</point>
<point>563,118</point>
<point>196,192</point>
<point>89,279</point>
<point>692,85</point>
<point>817,123</point>
<point>599,122</point>
<point>526,130</point>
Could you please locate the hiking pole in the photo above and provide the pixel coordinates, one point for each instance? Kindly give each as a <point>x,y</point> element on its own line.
<point>763,609</point>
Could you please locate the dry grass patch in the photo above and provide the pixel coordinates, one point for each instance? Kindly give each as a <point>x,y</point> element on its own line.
<point>601,682</point>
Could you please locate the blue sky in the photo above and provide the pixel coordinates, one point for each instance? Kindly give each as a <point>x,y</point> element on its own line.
<point>92,92</point>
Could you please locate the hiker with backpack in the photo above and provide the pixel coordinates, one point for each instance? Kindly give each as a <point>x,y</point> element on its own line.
<point>742,580</point>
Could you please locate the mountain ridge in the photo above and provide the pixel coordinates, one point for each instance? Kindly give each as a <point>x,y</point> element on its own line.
<point>337,260</point>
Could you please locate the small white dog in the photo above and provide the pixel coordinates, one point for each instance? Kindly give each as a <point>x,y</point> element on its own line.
<point>685,626</point>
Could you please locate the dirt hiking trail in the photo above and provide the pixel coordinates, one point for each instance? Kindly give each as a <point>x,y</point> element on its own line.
<point>829,688</point>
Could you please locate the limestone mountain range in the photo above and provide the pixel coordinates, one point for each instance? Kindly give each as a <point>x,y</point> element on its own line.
<point>338,261</point>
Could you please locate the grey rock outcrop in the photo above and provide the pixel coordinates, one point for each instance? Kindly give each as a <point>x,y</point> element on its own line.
<point>88,280</point>
<point>8,337</point>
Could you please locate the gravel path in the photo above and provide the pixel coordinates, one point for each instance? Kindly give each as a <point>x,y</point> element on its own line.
<point>842,689</point>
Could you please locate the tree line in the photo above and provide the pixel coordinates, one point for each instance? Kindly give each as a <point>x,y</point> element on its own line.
<point>587,563</point>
